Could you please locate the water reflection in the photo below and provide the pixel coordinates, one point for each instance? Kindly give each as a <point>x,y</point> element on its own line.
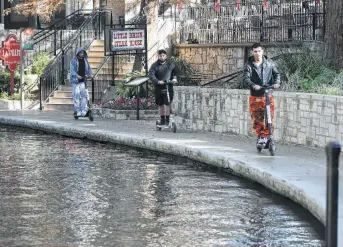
<point>62,192</point>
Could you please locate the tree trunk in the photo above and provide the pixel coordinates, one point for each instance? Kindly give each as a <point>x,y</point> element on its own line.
<point>334,32</point>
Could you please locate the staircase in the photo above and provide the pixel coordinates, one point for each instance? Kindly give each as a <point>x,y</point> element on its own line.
<point>122,64</point>
<point>62,99</point>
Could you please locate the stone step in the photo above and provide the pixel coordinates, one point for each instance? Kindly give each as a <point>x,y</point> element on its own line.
<point>60,100</point>
<point>66,94</point>
<point>99,54</point>
<point>59,107</point>
<point>65,88</point>
<point>97,49</point>
<point>96,62</point>
<point>63,94</point>
<point>98,42</point>
<point>93,60</point>
<point>63,100</point>
<point>95,65</point>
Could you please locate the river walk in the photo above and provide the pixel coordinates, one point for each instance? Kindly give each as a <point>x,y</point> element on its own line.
<point>296,172</point>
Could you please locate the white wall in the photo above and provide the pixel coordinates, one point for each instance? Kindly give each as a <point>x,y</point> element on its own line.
<point>74,5</point>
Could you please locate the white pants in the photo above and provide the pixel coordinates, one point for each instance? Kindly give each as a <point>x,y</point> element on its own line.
<point>80,95</point>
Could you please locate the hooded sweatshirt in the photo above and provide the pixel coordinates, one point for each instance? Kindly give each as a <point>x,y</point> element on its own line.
<point>74,67</point>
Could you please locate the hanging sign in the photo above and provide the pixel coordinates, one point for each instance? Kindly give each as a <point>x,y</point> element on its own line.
<point>129,39</point>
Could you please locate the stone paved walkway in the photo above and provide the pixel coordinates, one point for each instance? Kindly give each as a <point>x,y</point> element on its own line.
<point>296,172</point>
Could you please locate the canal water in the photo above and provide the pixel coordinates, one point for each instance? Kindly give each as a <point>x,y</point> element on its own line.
<point>58,191</point>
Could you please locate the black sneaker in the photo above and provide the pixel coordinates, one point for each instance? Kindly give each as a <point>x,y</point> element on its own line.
<point>261,142</point>
<point>167,120</point>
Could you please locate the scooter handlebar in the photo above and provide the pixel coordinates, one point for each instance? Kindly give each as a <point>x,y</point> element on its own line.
<point>267,87</point>
<point>87,78</point>
<point>171,82</point>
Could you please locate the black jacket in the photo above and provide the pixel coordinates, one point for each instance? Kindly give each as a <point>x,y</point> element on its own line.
<point>158,72</point>
<point>251,76</point>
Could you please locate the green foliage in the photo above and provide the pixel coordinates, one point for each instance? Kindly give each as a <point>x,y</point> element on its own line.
<point>5,80</point>
<point>6,75</point>
<point>188,73</point>
<point>3,95</point>
<point>15,96</point>
<point>40,62</point>
<point>125,91</point>
<point>307,71</point>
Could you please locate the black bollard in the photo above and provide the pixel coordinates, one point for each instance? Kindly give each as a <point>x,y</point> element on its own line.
<point>333,150</point>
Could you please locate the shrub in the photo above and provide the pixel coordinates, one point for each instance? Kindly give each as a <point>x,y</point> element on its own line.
<point>189,75</point>
<point>125,103</point>
<point>15,96</point>
<point>307,71</point>
<point>40,62</point>
<point>5,81</point>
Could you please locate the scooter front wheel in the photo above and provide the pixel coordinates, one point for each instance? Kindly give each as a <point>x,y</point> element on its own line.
<point>157,125</point>
<point>272,148</point>
<point>174,127</point>
<point>91,118</point>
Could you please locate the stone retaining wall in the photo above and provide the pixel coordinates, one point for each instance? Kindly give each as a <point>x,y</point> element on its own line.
<point>309,119</point>
<point>15,105</point>
<point>215,60</point>
<point>124,114</point>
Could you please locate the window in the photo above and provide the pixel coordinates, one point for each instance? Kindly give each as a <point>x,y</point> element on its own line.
<point>13,20</point>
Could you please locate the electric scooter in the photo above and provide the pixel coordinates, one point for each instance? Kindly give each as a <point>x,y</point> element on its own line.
<point>172,124</point>
<point>268,120</point>
<point>89,112</point>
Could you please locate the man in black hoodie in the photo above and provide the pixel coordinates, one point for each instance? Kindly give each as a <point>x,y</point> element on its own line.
<point>260,71</point>
<point>161,71</point>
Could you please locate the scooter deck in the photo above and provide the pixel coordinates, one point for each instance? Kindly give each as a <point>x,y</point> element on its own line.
<point>87,115</point>
<point>164,126</point>
<point>266,146</point>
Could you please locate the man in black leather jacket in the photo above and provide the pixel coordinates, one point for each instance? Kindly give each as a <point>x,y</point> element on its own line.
<point>158,73</point>
<point>260,71</point>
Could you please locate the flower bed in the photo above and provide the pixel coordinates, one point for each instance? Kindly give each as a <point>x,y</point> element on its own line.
<point>128,104</point>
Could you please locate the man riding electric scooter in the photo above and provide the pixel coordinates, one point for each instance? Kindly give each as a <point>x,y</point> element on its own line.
<point>80,70</point>
<point>157,73</point>
<point>260,72</point>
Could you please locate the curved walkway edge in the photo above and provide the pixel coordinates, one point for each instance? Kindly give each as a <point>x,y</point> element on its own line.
<point>298,173</point>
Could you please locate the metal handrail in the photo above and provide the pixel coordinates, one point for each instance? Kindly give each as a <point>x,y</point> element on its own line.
<point>101,66</point>
<point>49,80</point>
<point>224,77</point>
<point>96,73</point>
<point>69,44</point>
<point>235,74</point>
